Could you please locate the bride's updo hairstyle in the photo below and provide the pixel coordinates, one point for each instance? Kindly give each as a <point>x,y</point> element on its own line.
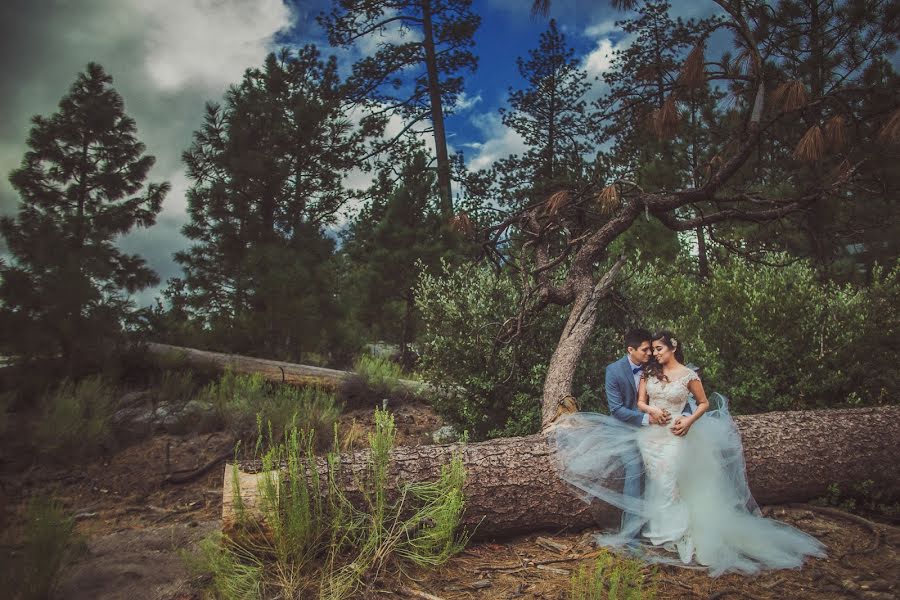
<point>668,338</point>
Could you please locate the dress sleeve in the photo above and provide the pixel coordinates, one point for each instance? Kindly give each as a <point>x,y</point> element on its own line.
<point>689,377</point>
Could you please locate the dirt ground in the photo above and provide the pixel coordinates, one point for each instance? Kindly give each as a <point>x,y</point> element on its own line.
<point>137,526</point>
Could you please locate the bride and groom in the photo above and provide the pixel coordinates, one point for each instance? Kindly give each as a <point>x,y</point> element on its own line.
<point>684,482</point>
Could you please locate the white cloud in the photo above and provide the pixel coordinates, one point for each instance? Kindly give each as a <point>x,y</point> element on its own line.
<point>598,60</point>
<point>207,42</point>
<point>601,29</point>
<point>464,102</point>
<point>500,141</point>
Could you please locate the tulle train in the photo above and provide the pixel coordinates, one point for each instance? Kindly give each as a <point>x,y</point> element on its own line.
<point>709,517</point>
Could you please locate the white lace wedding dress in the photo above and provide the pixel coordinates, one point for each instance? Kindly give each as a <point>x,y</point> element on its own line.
<point>696,502</point>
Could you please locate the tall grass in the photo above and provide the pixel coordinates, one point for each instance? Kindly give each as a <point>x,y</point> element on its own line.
<point>176,387</point>
<point>75,419</point>
<point>316,542</point>
<point>49,535</point>
<point>612,578</point>
<point>379,372</point>
<point>240,399</point>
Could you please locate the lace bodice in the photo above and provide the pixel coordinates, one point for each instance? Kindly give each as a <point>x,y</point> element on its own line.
<point>670,395</point>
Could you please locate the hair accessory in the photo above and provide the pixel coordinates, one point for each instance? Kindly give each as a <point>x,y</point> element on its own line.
<point>674,342</point>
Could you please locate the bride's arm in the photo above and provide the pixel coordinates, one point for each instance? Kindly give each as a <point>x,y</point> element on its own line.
<point>683,424</point>
<point>642,403</point>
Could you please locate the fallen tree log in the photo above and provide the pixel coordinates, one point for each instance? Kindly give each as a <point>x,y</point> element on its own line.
<point>512,486</point>
<point>272,370</point>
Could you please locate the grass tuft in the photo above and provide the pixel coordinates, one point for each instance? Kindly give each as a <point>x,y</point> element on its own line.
<point>49,536</point>
<point>75,419</point>
<point>315,542</point>
<point>612,578</point>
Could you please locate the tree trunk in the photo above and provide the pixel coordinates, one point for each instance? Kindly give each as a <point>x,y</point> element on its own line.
<point>561,370</point>
<point>512,486</point>
<point>437,112</point>
<point>273,370</point>
<point>574,337</point>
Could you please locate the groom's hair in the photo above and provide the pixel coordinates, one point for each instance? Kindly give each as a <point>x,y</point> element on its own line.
<point>636,337</point>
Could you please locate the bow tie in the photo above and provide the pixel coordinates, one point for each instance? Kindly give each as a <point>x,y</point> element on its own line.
<point>636,370</point>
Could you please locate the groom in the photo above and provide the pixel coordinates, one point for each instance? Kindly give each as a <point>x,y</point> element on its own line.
<point>622,379</point>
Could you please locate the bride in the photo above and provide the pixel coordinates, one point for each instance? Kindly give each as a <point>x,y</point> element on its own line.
<point>696,501</point>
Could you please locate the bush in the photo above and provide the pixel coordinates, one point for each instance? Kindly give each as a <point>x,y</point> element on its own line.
<point>239,400</point>
<point>326,546</point>
<point>49,536</point>
<point>75,420</point>
<point>776,338</point>
<point>486,388</point>
<point>376,379</point>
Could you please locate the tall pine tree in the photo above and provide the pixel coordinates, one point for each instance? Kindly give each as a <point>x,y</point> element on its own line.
<point>550,114</point>
<point>400,231</point>
<point>267,168</point>
<point>81,182</point>
<point>416,74</point>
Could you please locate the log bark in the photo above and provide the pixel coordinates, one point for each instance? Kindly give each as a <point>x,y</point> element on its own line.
<point>512,486</point>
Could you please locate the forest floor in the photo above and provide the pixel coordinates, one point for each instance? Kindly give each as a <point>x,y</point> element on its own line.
<point>137,527</point>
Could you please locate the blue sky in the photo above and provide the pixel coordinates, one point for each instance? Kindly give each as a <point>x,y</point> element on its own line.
<point>169,57</point>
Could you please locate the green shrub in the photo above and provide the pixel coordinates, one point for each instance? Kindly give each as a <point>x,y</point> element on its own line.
<point>75,419</point>
<point>775,338</point>
<point>487,388</point>
<point>317,542</point>
<point>49,536</point>
<point>612,578</point>
<point>376,379</point>
<point>379,372</point>
<point>240,399</point>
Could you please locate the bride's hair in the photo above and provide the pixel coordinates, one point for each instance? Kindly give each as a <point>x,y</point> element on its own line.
<point>668,338</point>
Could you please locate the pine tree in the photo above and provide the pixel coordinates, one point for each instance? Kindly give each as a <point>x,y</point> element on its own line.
<point>267,168</point>
<point>418,76</point>
<point>398,233</point>
<point>550,115</point>
<point>66,291</point>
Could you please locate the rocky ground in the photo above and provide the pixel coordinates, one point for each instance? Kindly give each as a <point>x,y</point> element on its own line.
<point>137,527</point>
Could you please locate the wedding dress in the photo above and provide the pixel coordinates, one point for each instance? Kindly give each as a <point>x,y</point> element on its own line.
<point>696,502</point>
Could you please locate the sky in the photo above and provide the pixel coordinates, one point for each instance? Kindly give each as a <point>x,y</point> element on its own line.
<point>169,57</point>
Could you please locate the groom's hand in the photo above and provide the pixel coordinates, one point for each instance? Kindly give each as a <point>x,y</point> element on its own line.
<point>664,418</point>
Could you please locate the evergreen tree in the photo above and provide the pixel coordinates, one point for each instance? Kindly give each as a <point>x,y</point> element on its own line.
<point>67,289</point>
<point>830,67</point>
<point>419,75</point>
<point>267,169</point>
<point>550,115</point>
<point>398,233</point>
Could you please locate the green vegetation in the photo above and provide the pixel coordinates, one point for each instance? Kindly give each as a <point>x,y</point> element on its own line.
<point>613,578</point>
<point>864,497</point>
<point>75,419</point>
<point>315,542</point>
<point>778,337</point>
<point>767,337</point>
<point>49,537</point>
<point>239,400</point>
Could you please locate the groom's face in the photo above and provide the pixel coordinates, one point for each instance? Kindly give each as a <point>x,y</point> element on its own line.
<point>641,354</point>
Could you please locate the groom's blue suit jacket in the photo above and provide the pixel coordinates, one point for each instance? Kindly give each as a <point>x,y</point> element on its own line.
<point>621,393</point>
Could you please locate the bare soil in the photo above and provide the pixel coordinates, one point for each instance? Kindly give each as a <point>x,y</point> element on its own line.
<point>137,526</point>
